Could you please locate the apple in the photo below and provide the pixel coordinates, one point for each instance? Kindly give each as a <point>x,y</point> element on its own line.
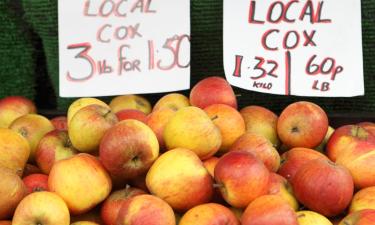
<point>111,206</point>
<point>81,181</point>
<point>363,199</point>
<point>54,146</point>
<point>157,120</point>
<point>193,129</point>
<point>295,158</point>
<point>84,223</point>
<point>131,114</point>
<point>14,151</point>
<point>359,159</point>
<point>60,122</point>
<point>88,126</point>
<point>5,222</point>
<point>32,127</point>
<point>36,182</point>
<point>30,169</point>
<point>210,164</point>
<point>278,185</point>
<point>302,124</point>
<point>128,149</point>
<point>241,177</point>
<point>261,121</point>
<point>12,191</point>
<point>261,147</point>
<point>44,207</point>
<point>306,217</point>
<point>130,102</point>
<point>363,217</point>
<point>230,123</point>
<point>174,101</point>
<point>12,107</point>
<point>269,209</point>
<point>369,126</point>
<point>81,103</point>
<point>324,187</point>
<point>321,147</point>
<point>209,214</point>
<point>346,138</point>
<point>145,209</point>
<point>212,90</point>
<point>179,178</point>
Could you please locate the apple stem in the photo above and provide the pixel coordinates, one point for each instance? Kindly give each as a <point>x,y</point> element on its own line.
<point>215,117</point>
<point>215,185</point>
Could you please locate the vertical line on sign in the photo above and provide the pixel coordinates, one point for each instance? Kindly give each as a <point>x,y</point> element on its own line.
<point>287,72</point>
<point>151,56</point>
<point>237,70</point>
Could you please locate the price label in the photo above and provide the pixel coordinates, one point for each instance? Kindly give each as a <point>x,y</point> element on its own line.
<point>296,47</point>
<point>115,47</point>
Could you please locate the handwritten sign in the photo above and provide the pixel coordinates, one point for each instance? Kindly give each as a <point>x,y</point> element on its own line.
<point>113,47</point>
<point>294,47</point>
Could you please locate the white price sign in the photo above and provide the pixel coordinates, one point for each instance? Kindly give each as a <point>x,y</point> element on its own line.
<point>294,47</point>
<point>114,47</point>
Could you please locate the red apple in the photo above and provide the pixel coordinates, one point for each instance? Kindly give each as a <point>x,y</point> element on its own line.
<point>241,178</point>
<point>42,208</point>
<point>302,124</point>
<point>54,146</point>
<point>345,138</point>
<point>261,147</point>
<point>81,181</point>
<point>209,214</point>
<point>128,149</point>
<point>13,107</point>
<point>295,158</point>
<point>261,121</point>
<point>111,206</point>
<point>363,217</point>
<point>12,191</point>
<point>212,90</point>
<point>36,182</point>
<point>60,122</point>
<point>135,114</point>
<point>267,210</point>
<point>230,123</point>
<point>323,187</point>
<point>145,209</point>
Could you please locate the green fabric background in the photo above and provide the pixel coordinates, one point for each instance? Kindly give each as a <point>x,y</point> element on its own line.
<point>29,56</point>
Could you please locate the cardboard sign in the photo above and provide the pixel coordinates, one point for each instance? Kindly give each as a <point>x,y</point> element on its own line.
<point>114,47</point>
<point>294,47</point>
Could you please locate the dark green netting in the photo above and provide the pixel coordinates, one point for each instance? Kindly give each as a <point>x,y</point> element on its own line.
<point>17,73</point>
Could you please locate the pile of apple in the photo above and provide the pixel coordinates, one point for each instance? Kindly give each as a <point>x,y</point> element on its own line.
<point>187,161</point>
